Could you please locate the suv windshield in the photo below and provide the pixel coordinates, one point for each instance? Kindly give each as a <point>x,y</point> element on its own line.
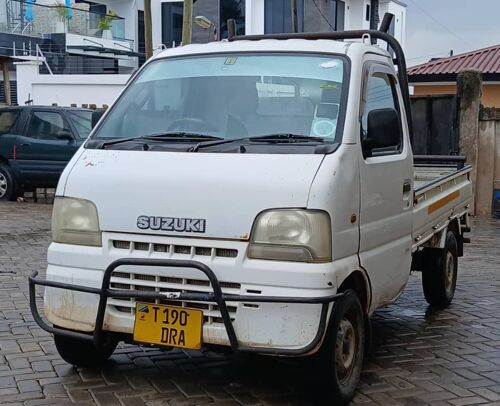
<point>231,96</point>
<point>82,120</point>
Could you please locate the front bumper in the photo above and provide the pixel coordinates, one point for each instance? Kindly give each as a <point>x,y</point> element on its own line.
<point>217,296</point>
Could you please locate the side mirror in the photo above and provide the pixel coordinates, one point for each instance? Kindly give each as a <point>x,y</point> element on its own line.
<point>96,116</point>
<point>64,135</point>
<point>384,130</point>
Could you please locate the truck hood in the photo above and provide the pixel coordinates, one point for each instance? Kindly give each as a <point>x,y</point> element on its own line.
<point>211,195</point>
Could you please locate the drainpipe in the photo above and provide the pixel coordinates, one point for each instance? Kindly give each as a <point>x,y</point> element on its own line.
<point>374,20</point>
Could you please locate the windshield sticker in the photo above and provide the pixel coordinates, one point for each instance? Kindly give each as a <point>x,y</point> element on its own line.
<point>328,86</point>
<point>329,64</point>
<point>230,60</point>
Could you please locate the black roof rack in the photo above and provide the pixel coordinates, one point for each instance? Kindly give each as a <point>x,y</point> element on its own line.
<point>381,34</point>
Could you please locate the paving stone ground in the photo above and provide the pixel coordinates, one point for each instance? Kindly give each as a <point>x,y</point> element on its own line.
<point>418,357</point>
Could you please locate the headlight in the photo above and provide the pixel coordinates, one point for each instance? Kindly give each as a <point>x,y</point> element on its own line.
<point>292,235</point>
<point>75,221</point>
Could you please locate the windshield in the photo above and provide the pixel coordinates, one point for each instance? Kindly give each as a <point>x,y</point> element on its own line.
<point>232,96</point>
<point>82,120</point>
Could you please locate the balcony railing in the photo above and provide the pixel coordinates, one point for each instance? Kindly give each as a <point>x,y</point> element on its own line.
<point>36,20</point>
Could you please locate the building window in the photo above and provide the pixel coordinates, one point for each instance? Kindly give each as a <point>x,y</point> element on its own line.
<point>278,16</point>
<point>337,14</point>
<point>232,9</point>
<point>171,24</point>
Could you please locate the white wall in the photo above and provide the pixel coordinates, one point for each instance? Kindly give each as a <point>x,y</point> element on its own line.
<point>254,17</point>
<point>66,89</point>
<point>399,12</point>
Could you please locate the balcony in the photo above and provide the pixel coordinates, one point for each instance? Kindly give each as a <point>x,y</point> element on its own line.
<point>82,32</point>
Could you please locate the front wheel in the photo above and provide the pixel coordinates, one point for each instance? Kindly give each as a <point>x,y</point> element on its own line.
<point>83,353</point>
<point>341,357</point>
<point>439,279</point>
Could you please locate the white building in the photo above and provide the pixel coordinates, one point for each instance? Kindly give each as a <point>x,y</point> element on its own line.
<point>82,43</point>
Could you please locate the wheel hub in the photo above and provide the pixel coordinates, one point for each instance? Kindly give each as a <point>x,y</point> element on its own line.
<point>3,185</point>
<point>345,348</point>
<point>450,271</point>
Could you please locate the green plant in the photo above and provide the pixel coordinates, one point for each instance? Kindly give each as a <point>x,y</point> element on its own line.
<point>62,10</point>
<point>106,20</point>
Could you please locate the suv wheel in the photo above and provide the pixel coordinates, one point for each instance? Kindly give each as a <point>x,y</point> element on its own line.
<point>8,184</point>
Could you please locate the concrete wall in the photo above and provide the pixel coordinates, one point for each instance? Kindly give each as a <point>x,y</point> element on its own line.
<point>488,165</point>
<point>490,98</point>
<point>66,89</point>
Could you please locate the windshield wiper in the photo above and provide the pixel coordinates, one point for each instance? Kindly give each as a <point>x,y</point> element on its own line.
<point>271,138</point>
<point>166,136</point>
<point>286,137</point>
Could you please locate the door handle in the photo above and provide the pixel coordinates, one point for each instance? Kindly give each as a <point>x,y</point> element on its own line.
<point>25,144</point>
<point>407,187</point>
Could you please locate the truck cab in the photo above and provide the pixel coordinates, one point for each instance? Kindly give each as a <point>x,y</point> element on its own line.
<point>259,194</point>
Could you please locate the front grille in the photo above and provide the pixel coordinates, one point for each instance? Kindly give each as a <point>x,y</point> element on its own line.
<point>157,283</point>
<point>175,249</point>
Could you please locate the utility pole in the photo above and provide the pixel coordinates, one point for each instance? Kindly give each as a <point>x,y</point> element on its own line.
<point>6,82</point>
<point>187,23</point>
<point>148,32</point>
<point>293,6</point>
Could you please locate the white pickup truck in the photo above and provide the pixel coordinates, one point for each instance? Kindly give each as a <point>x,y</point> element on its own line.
<point>258,193</point>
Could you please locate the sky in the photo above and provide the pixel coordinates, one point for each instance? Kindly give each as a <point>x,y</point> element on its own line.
<point>434,27</point>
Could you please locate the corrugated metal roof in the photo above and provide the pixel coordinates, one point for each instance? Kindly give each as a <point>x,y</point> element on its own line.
<point>487,60</point>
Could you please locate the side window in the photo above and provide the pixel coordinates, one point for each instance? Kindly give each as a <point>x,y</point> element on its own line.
<point>45,125</point>
<point>380,94</point>
<point>7,120</point>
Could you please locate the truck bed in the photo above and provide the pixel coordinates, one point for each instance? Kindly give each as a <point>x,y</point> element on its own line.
<point>442,191</point>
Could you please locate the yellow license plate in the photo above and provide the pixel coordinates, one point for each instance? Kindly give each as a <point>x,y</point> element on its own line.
<point>168,325</point>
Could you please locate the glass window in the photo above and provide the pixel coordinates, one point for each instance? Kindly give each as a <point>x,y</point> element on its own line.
<point>278,16</point>
<point>82,120</point>
<point>340,15</point>
<point>45,125</point>
<point>172,16</point>
<point>7,120</point>
<point>380,94</point>
<point>234,9</point>
<point>231,96</point>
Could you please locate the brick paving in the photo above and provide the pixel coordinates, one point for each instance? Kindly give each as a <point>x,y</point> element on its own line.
<point>418,356</point>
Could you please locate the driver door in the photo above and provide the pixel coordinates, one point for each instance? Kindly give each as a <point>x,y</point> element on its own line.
<point>386,193</point>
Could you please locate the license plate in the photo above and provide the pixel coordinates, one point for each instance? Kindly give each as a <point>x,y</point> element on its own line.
<point>168,325</point>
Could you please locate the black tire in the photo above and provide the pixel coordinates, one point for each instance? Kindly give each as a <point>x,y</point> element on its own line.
<point>8,183</point>
<point>83,353</point>
<point>342,353</point>
<point>439,279</point>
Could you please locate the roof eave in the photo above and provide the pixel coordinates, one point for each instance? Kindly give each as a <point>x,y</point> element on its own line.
<point>447,77</point>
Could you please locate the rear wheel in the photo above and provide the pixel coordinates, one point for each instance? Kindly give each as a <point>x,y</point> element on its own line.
<point>439,279</point>
<point>8,184</point>
<point>341,357</point>
<point>83,353</point>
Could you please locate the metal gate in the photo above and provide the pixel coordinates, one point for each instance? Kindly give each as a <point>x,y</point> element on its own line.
<point>435,125</point>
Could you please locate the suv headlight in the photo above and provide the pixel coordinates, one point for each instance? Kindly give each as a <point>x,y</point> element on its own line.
<point>75,221</point>
<point>292,235</point>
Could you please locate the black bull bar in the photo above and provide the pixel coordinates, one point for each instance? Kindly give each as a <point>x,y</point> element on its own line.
<point>217,296</point>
